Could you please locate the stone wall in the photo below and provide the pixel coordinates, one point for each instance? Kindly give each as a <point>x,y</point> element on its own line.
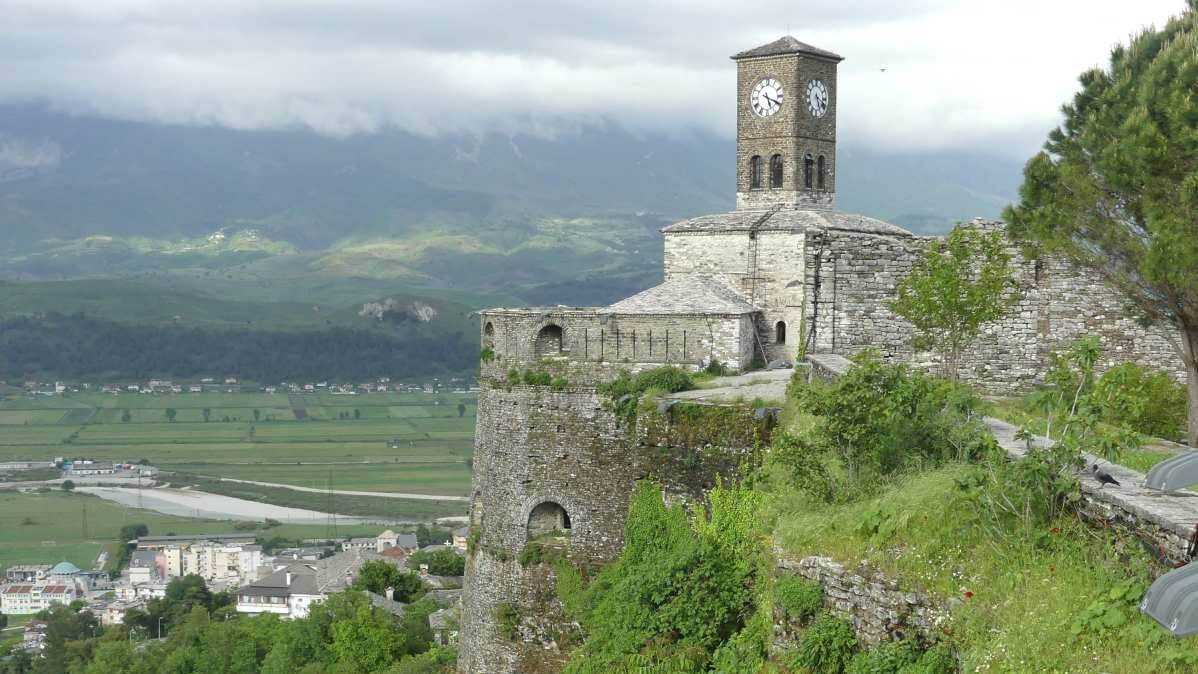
<point>766,269</point>
<point>872,602</point>
<point>536,445</point>
<point>517,337</point>
<point>850,278</point>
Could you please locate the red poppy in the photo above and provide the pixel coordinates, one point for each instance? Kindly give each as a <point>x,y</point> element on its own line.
<point>968,594</point>
<point>1056,530</point>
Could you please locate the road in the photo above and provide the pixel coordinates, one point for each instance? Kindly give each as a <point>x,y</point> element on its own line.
<point>383,494</point>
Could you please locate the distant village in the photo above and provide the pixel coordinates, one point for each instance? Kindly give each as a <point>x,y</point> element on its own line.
<point>231,384</point>
<point>286,583</point>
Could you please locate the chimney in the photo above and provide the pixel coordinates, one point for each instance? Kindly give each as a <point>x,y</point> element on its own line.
<point>288,579</point>
<point>390,594</point>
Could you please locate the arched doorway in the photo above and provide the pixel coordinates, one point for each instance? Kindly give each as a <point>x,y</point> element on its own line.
<point>547,518</point>
<point>780,332</point>
<point>549,341</point>
<point>489,336</point>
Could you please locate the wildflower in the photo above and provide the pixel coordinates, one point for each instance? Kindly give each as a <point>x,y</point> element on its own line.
<point>969,594</point>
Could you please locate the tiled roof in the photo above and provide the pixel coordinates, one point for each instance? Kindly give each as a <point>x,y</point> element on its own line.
<point>55,589</point>
<point>18,589</point>
<point>786,45</point>
<point>689,295</point>
<point>786,220</point>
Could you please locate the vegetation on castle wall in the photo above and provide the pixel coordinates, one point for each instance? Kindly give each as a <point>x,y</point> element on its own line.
<point>681,595</point>
<point>799,597</point>
<point>876,421</point>
<point>1105,415</point>
<point>625,391</point>
<point>959,285</point>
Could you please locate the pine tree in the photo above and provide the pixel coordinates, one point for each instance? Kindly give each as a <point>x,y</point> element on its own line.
<point>1115,189</point>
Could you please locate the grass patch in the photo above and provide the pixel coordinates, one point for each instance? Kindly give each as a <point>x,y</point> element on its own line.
<point>1016,600</point>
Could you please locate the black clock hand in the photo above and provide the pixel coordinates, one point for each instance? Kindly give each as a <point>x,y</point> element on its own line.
<point>778,103</point>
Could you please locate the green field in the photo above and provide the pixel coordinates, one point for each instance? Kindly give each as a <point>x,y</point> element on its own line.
<point>388,442</point>
<point>50,527</point>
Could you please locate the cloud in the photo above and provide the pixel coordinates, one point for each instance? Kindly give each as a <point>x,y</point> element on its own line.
<point>956,72</point>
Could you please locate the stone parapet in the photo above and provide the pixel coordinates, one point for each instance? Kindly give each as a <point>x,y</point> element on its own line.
<point>875,604</point>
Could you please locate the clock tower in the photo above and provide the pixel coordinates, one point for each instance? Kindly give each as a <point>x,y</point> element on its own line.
<point>785,126</point>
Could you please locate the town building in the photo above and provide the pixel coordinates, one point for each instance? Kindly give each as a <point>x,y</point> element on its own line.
<point>26,573</point>
<point>27,598</point>
<point>292,588</point>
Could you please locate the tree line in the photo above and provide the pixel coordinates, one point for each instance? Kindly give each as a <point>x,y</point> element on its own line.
<point>77,346</point>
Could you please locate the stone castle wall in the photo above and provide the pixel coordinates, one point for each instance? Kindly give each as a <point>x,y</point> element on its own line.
<point>767,272</point>
<point>874,603</point>
<point>535,445</point>
<point>520,338</point>
<point>851,277</point>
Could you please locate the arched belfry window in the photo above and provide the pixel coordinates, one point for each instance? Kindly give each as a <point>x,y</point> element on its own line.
<point>776,171</point>
<point>780,332</point>
<point>755,173</point>
<point>808,169</point>
<point>489,336</point>
<point>820,172</point>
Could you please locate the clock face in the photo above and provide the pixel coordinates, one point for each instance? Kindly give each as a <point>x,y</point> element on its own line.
<point>766,98</point>
<point>817,98</point>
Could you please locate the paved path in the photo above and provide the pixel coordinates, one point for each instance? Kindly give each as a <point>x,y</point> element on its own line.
<point>383,494</point>
<point>202,505</point>
<point>769,385</point>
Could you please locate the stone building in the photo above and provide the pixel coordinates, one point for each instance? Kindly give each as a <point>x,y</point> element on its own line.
<point>782,275</point>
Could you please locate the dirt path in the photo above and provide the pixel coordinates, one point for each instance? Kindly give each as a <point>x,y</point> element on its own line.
<point>383,494</point>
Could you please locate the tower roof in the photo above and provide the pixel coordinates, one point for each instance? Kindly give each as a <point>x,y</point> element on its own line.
<point>786,45</point>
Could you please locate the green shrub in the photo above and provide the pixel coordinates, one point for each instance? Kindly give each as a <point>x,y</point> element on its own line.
<point>891,657</point>
<point>537,378</point>
<point>876,420</point>
<point>559,383</point>
<point>827,646</point>
<point>538,553</point>
<point>506,620</point>
<point>513,377</point>
<point>716,369</point>
<point>486,355</point>
<point>799,597</point>
<point>1141,400</point>
<point>442,562</point>
<point>625,390</point>
<point>903,657</point>
<point>680,591</point>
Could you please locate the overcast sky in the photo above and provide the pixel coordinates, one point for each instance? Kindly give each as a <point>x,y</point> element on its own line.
<point>957,72</point>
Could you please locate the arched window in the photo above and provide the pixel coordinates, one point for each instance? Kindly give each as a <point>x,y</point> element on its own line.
<point>489,336</point>
<point>776,171</point>
<point>547,518</point>
<point>780,332</point>
<point>820,171</point>
<point>808,168</point>
<point>549,341</point>
<point>755,173</point>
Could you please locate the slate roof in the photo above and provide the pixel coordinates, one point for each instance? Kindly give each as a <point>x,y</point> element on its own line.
<point>143,559</point>
<point>408,541</point>
<point>786,220</point>
<point>312,578</point>
<point>689,295</point>
<point>786,45</point>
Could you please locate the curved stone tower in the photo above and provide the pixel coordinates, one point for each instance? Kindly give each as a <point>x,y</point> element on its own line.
<point>555,466</point>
